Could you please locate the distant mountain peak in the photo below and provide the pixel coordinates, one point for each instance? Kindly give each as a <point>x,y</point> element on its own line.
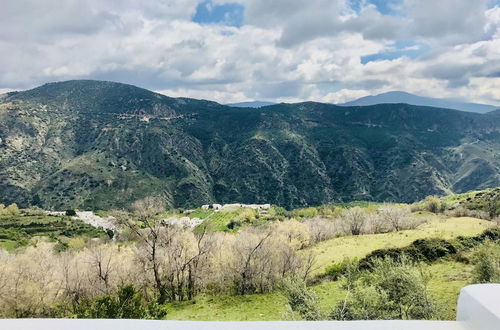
<point>405,97</point>
<point>251,104</point>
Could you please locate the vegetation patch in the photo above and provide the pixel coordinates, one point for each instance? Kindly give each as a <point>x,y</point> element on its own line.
<point>337,249</point>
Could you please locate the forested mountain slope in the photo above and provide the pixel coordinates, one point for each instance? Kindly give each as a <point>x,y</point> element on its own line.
<point>101,145</point>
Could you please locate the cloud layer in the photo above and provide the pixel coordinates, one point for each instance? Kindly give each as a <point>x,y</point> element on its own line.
<point>281,50</point>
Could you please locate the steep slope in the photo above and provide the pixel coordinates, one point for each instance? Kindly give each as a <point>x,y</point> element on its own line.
<point>403,97</point>
<point>102,145</point>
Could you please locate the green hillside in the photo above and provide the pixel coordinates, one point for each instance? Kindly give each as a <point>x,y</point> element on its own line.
<point>103,145</point>
<point>447,276</point>
<point>335,250</point>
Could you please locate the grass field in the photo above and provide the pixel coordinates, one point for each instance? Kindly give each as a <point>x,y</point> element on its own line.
<point>447,277</point>
<point>337,249</point>
<point>262,307</point>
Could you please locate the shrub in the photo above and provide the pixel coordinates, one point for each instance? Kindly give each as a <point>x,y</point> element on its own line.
<point>364,303</point>
<point>33,211</point>
<point>308,212</point>
<point>76,243</point>
<point>127,303</point>
<point>70,213</point>
<point>247,216</point>
<point>376,224</point>
<point>392,253</point>
<point>335,271</point>
<point>233,224</point>
<point>301,300</point>
<point>12,209</point>
<point>493,207</point>
<point>433,204</point>
<point>461,211</point>
<point>398,218</point>
<point>110,233</point>
<point>431,249</point>
<point>490,234</point>
<point>354,220</point>
<point>414,222</point>
<point>392,290</point>
<point>322,229</point>
<point>487,263</point>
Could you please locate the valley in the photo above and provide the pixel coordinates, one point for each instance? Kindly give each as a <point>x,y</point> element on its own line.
<point>238,256</point>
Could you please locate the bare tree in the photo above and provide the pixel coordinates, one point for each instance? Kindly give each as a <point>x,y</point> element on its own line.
<point>321,229</point>
<point>309,262</point>
<point>148,207</point>
<point>148,235</point>
<point>247,254</point>
<point>397,217</point>
<point>354,220</point>
<point>377,224</point>
<point>101,264</point>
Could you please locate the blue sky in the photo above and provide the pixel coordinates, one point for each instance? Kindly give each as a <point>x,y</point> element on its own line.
<point>399,49</point>
<point>230,14</point>
<point>386,7</point>
<point>272,50</point>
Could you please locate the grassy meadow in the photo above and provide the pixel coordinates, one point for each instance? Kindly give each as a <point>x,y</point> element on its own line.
<point>447,277</point>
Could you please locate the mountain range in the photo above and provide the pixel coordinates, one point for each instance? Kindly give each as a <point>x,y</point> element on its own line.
<point>403,97</point>
<point>251,104</point>
<point>100,145</point>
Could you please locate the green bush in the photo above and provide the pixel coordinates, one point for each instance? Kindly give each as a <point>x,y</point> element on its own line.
<point>365,303</point>
<point>70,213</point>
<point>392,290</point>
<point>433,204</point>
<point>490,234</point>
<point>301,300</point>
<point>429,249</point>
<point>127,303</point>
<point>487,263</point>
<point>335,271</point>
<point>12,209</point>
<point>233,224</point>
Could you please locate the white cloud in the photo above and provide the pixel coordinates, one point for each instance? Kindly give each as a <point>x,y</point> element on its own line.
<point>287,51</point>
<point>447,21</point>
<point>5,90</point>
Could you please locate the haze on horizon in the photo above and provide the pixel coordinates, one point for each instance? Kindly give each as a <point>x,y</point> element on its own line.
<point>241,50</point>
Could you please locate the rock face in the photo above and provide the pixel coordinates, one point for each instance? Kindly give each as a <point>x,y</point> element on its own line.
<point>101,145</point>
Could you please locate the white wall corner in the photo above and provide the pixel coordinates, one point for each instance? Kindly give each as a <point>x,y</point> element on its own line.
<point>479,306</point>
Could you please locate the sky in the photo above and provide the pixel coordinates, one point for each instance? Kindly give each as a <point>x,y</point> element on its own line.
<point>242,50</point>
